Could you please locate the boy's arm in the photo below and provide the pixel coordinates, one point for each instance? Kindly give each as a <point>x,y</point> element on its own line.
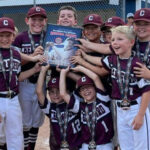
<point>26,58</point>
<point>70,74</point>
<point>138,120</point>
<point>91,75</point>
<point>62,85</point>
<point>97,69</point>
<point>36,58</point>
<point>92,59</point>
<point>40,84</point>
<point>26,74</point>
<point>100,48</point>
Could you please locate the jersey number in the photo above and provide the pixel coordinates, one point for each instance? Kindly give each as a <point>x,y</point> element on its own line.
<point>105,127</point>
<point>76,126</point>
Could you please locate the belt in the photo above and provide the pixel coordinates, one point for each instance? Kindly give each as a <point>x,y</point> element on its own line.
<point>131,103</point>
<point>8,95</point>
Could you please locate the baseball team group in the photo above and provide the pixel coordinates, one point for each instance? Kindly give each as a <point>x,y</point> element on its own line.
<point>100,104</point>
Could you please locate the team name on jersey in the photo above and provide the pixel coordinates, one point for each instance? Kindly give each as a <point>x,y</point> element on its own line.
<point>16,65</point>
<point>26,48</point>
<point>54,117</point>
<point>101,111</point>
<point>114,75</point>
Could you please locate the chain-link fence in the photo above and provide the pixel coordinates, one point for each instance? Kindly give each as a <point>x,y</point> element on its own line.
<point>105,8</point>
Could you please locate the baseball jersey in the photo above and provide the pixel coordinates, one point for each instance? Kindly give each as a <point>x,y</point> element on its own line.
<point>23,43</point>
<point>73,127</point>
<point>104,124</point>
<point>137,86</point>
<point>16,69</point>
<point>142,48</point>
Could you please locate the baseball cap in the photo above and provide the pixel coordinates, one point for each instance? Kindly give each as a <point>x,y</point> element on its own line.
<point>93,19</point>
<point>142,15</point>
<point>114,21</point>
<point>84,80</point>
<point>36,11</point>
<point>7,24</point>
<point>130,15</point>
<point>53,83</point>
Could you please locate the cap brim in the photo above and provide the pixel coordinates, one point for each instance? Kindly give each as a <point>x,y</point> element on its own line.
<point>91,23</point>
<point>147,20</point>
<point>7,30</point>
<point>109,25</point>
<point>78,88</point>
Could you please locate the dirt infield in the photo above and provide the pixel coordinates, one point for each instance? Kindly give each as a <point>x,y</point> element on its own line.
<point>43,136</point>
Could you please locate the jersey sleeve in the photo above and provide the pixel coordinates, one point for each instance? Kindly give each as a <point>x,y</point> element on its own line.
<point>106,63</point>
<point>46,107</point>
<point>74,104</point>
<point>144,85</point>
<point>103,96</point>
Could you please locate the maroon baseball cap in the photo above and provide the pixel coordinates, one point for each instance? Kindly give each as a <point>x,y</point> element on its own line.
<point>85,80</point>
<point>53,83</point>
<point>114,21</point>
<point>142,15</point>
<point>37,11</point>
<point>93,19</point>
<point>7,24</point>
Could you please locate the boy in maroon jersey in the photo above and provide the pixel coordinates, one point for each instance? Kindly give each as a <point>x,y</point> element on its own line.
<point>65,124</point>
<point>96,121</point>
<point>10,110</point>
<point>130,93</point>
<point>30,43</point>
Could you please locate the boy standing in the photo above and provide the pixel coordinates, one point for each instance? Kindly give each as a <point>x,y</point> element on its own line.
<point>10,110</point>
<point>130,93</point>
<point>30,43</point>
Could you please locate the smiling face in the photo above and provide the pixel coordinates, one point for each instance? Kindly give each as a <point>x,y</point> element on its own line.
<point>92,32</point>
<point>66,18</point>
<point>88,93</point>
<point>142,30</point>
<point>6,39</point>
<point>121,44</point>
<point>54,95</point>
<point>36,23</point>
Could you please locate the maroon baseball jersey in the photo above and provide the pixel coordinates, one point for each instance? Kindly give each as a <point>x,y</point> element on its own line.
<point>104,124</point>
<point>137,86</point>
<point>23,43</point>
<point>73,127</point>
<point>142,48</point>
<point>16,69</point>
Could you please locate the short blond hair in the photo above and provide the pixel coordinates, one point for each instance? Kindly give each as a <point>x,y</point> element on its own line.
<point>126,30</point>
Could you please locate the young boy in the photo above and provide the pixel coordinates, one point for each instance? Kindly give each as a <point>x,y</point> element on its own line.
<point>65,125</point>
<point>92,28</point>
<point>30,43</point>
<point>130,93</point>
<point>10,110</point>
<point>103,48</point>
<point>67,16</point>
<point>141,49</point>
<point>96,121</point>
